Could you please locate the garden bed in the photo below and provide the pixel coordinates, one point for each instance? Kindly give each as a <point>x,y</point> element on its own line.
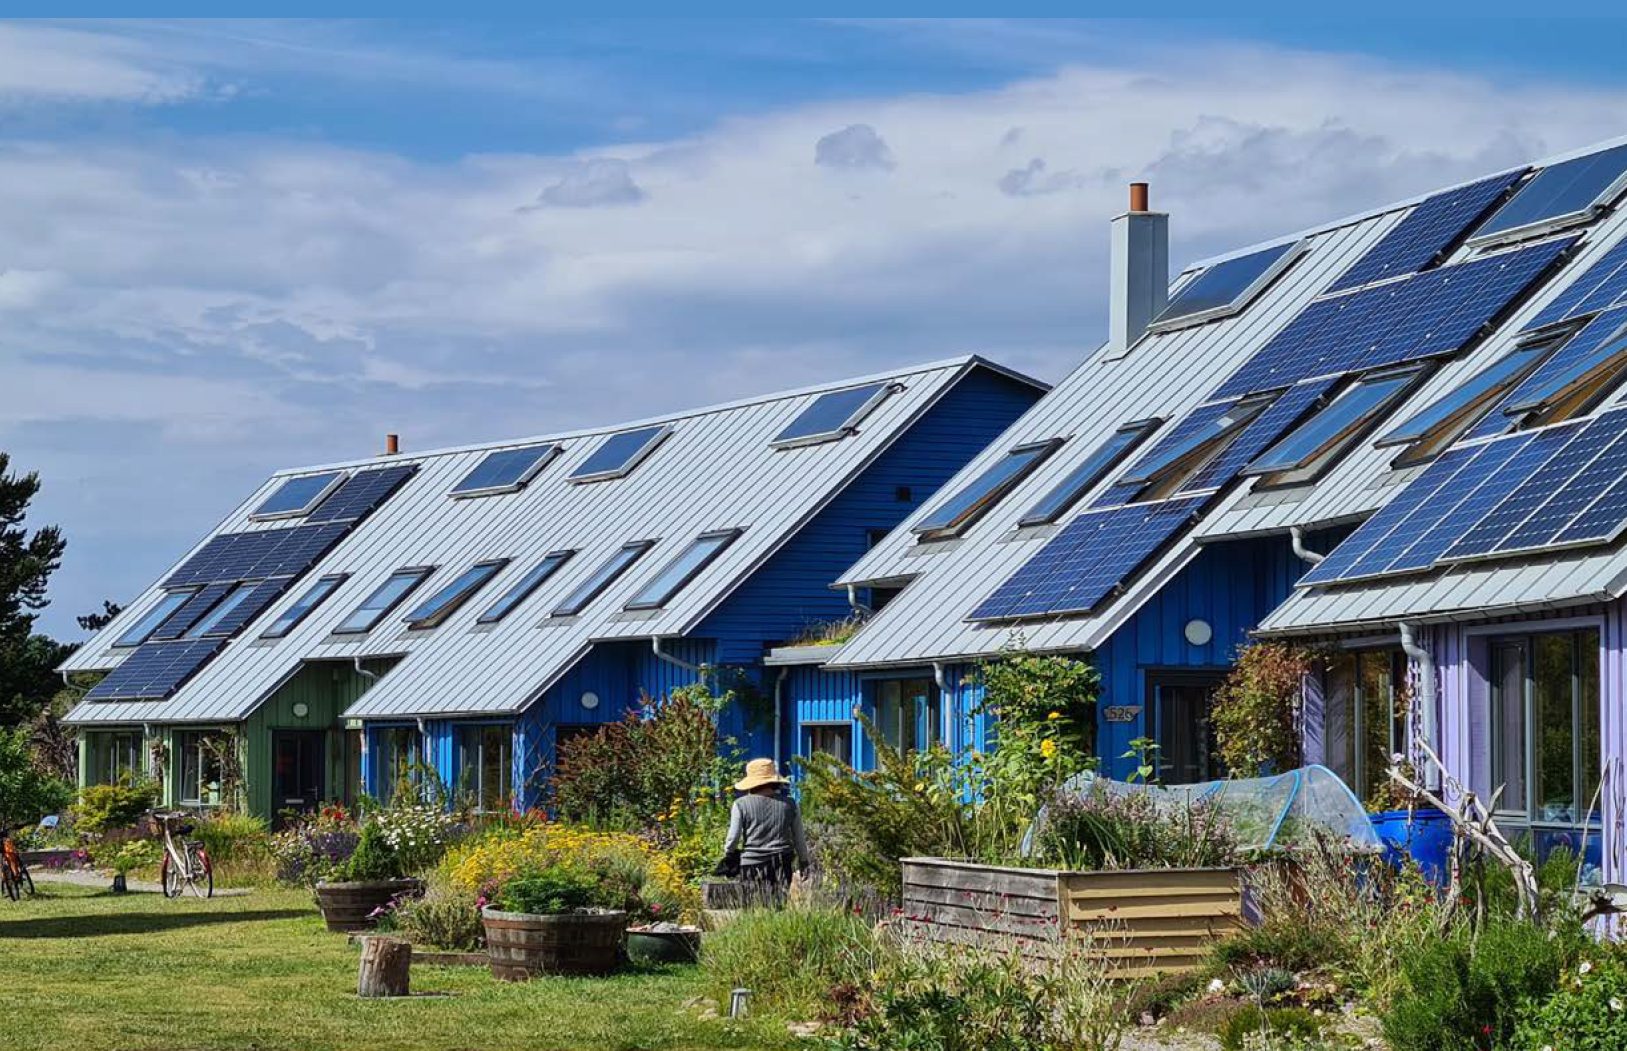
<point>1141,922</point>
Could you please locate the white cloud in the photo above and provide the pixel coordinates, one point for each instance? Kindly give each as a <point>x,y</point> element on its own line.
<point>592,184</point>
<point>226,307</point>
<point>856,146</point>
<point>41,63</point>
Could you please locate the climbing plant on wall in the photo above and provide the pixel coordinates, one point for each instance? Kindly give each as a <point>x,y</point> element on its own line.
<point>1257,712</point>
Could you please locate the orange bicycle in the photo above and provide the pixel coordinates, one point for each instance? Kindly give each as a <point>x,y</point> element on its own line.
<point>14,878</point>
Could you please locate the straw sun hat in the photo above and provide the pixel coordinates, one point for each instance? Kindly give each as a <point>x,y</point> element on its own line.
<point>760,772</point>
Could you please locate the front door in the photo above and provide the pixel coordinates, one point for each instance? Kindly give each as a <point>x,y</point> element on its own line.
<point>1180,724</point>
<point>298,769</point>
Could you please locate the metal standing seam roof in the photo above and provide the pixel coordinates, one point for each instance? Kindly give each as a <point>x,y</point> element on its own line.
<point>1164,375</point>
<point>717,470</point>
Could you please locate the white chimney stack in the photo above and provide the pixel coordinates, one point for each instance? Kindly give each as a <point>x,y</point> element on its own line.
<point>1140,270</point>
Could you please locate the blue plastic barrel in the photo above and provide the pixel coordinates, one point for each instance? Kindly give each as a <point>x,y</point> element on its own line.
<point>1424,835</point>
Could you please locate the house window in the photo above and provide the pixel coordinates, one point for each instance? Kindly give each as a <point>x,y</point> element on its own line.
<point>954,515</point>
<point>1545,726</point>
<point>1443,421</point>
<point>396,761</point>
<point>123,757</point>
<point>197,768</point>
<point>1366,720</point>
<point>908,713</point>
<point>485,755</point>
<point>1309,450</point>
<point>832,739</point>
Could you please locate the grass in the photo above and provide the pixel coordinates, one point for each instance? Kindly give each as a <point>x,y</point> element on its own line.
<point>88,970</point>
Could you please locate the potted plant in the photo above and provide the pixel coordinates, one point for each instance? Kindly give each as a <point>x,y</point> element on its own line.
<point>557,918</point>
<point>361,888</point>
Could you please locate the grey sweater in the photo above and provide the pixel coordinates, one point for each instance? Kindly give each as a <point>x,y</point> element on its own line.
<point>764,827</point>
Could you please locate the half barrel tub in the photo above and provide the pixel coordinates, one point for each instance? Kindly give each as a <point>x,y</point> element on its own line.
<point>350,906</point>
<point>522,945</point>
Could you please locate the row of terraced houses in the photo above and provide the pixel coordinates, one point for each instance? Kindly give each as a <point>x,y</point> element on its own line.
<point>1399,435</point>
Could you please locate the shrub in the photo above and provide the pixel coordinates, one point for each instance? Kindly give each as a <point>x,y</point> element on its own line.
<point>102,808</point>
<point>1467,993</point>
<point>1270,1027</point>
<point>557,888</point>
<point>1281,942</point>
<point>418,833</point>
<point>27,793</point>
<point>1587,1013</point>
<point>791,959</point>
<point>373,859</point>
<point>648,769</point>
<point>1256,711</point>
<point>443,918</point>
<point>236,843</point>
<point>1044,712</point>
<point>1101,829</point>
<point>126,856</point>
<point>310,849</point>
<point>960,999</point>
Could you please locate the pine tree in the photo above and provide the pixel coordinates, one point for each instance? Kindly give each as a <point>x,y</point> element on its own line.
<point>27,661</point>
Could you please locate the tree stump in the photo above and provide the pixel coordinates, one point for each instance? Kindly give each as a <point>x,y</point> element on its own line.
<point>385,966</point>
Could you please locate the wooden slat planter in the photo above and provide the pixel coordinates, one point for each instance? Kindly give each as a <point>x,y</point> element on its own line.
<point>1144,922</point>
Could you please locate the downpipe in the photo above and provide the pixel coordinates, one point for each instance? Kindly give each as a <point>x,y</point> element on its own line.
<point>1426,696</point>
<point>940,675</point>
<point>1296,537</point>
<point>779,692</point>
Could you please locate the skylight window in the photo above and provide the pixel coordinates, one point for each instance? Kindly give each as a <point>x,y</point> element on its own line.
<point>1563,194</point>
<point>387,597</point>
<point>620,453</point>
<point>525,586</point>
<point>954,515</point>
<point>505,471</point>
<point>433,611</point>
<point>314,596</point>
<point>142,629</point>
<point>1228,286</point>
<point>230,601</point>
<point>834,415</point>
<point>1191,444</point>
<point>1572,383</point>
<point>298,497</point>
<point>1315,445</point>
<point>603,577</point>
<point>1083,478</point>
<point>681,570</point>
<point>1445,419</point>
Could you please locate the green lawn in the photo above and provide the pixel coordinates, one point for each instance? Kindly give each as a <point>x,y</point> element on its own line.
<point>82,970</point>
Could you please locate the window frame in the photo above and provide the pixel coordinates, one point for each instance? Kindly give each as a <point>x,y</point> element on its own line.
<point>477,789</point>
<point>472,581</point>
<point>335,480</point>
<point>1354,718</point>
<point>1601,203</point>
<point>847,428</point>
<point>843,728</point>
<point>418,575</point>
<point>546,454</point>
<point>189,745</point>
<point>525,587</point>
<point>639,601</point>
<point>1238,303</point>
<point>1171,477</point>
<point>605,574</point>
<point>931,527</point>
<point>1583,780</point>
<point>334,580</point>
<point>658,437</point>
<point>154,618</point>
<point>1101,466</point>
<point>204,626</point>
<point>389,775</point>
<point>1311,468</point>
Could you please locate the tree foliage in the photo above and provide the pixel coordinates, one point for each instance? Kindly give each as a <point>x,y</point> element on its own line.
<point>1257,711</point>
<point>27,560</point>
<point>27,793</point>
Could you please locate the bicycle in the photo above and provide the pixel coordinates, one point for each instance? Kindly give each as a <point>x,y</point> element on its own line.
<point>14,878</point>
<point>186,866</point>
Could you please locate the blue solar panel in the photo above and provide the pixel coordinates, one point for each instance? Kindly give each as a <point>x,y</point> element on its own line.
<point>181,621</point>
<point>1424,515</point>
<point>1598,342</point>
<point>254,603</point>
<point>1088,561</point>
<point>1202,425</point>
<point>1433,313</point>
<point>1339,561</point>
<point>1601,285</point>
<point>1222,288</point>
<point>231,557</point>
<point>833,415</point>
<point>1569,190</point>
<point>1432,228</point>
<point>361,494</point>
<point>1473,493</point>
<point>1260,433</point>
<point>1573,497</point>
<point>1336,425</point>
<point>155,671</point>
<point>505,470</point>
<point>1528,492</point>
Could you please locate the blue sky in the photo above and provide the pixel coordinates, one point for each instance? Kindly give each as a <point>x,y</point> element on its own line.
<point>230,247</point>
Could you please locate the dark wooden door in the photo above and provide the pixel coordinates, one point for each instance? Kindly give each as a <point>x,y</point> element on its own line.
<point>298,769</point>
<point>1186,740</point>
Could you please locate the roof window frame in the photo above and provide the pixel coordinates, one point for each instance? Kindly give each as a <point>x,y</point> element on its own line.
<point>1239,302</point>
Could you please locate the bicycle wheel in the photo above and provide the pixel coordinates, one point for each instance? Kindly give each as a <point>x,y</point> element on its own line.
<point>203,873</point>
<point>7,884</point>
<point>170,878</point>
<point>25,882</point>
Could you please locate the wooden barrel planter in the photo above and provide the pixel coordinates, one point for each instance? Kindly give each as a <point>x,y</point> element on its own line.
<point>522,945</point>
<point>1140,922</point>
<point>349,906</point>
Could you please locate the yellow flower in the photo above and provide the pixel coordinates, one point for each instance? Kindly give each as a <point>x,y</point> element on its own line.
<point>1047,748</point>
<point>1054,715</point>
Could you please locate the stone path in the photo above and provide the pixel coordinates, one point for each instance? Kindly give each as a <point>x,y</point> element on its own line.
<point>96,879</point>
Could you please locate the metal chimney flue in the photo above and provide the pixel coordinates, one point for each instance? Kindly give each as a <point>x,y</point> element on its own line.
<point>1139,272</point>
<point>392,444</point>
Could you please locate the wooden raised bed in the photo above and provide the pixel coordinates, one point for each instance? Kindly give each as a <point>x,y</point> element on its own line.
<point>1142,922</point>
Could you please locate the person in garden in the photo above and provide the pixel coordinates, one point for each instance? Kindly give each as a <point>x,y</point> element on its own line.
<point>765,831</point>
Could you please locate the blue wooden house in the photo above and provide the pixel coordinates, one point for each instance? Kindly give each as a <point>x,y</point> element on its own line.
<point>468,608</point>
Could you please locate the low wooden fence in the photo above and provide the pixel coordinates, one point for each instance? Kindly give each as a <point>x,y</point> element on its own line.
<point>1142,922</point>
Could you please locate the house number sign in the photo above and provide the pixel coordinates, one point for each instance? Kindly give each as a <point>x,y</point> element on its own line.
<point>1121,713</point>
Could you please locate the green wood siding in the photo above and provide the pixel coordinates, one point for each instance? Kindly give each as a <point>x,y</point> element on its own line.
<point>325,690</point>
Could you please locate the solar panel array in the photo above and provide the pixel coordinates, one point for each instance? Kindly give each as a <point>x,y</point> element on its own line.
<point>1428,232</point>
<point>1085,563</point>
<point>270,558</point>
<point>1602,285</point>
<point>1580,355</point>
<point>156,670</point>
<point>1532,491</point>
<point>1433,313</point>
